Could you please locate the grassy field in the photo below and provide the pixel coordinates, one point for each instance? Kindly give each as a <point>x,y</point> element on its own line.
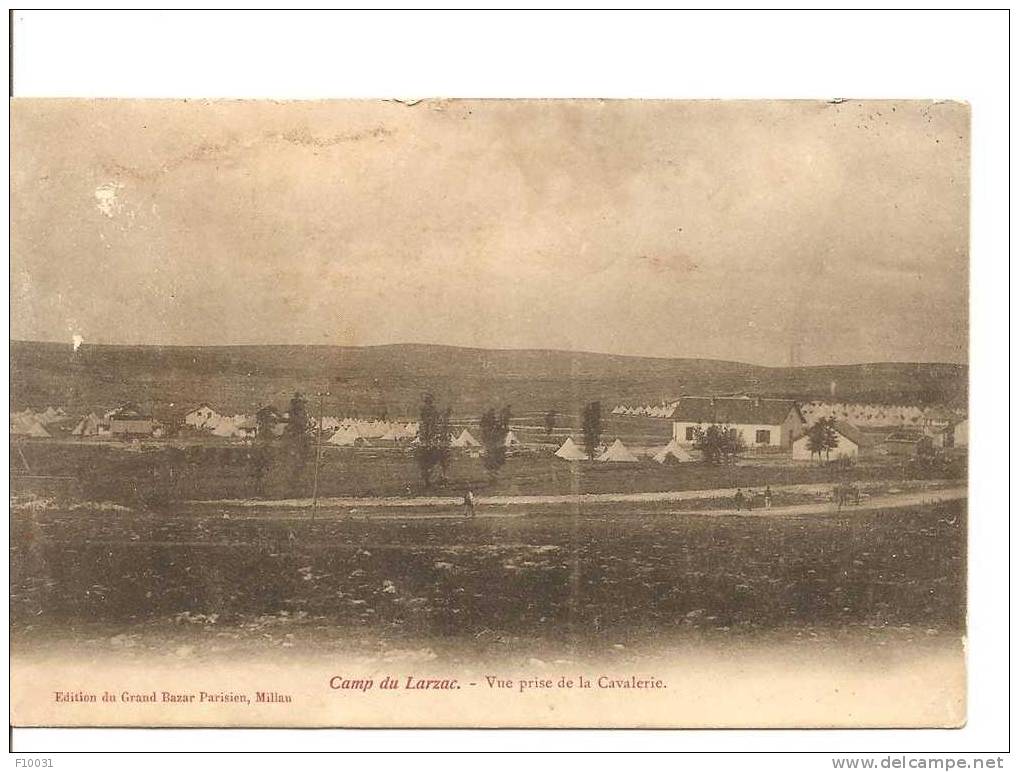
<point>101,472</point>
<point>605,580</point>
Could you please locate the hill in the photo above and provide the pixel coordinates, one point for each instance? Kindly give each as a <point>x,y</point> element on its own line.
<point>379,380</point>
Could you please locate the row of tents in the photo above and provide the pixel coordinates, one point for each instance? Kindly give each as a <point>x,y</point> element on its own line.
<point>54,421</point>
<point>378,429</point>
<point>650,411</point>
<point>348,432</point>
<point>350,435</point>
<point>27,426</point>
<point>873,415</point>
<point>50,415</point>
<point>467,440</point>
<point>617,452</point>
<point>858,414</point>
<point>33,423</point>
<point>345,431</point>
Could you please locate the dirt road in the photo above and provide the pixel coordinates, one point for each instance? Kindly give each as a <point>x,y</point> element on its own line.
<point>918,493</point>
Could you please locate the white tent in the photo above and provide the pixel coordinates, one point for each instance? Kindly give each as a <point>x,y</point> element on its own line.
<point>511,440</point>
<point>465,440</point>
<point>570,452</point>
<point>88,426</point>
<point>347,438</point>
<point>618,452</point>
<point>673,453</point>
<point>28,427</point>
<point>223,426</point>
<point>51,415</point>
<point>330,424</point>
<point>396,433</point>
<point>374,429</point>
<point>233,426</point>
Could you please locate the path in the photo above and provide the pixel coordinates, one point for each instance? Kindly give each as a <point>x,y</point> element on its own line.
<point>925,492</point>
<point>886,501</point>
<point>582,498</point>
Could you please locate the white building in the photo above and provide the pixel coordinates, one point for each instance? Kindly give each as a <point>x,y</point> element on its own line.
<point>762,422</point>
<point>202,417</point>
<point>848,444</point>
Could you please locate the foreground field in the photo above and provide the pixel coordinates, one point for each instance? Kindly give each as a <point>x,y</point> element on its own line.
<point>139,580</point>
<point>168,475</point>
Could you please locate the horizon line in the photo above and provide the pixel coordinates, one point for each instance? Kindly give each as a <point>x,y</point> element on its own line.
<point>483,348</point>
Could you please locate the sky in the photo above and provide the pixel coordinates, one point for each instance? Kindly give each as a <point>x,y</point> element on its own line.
<point>765,232</point>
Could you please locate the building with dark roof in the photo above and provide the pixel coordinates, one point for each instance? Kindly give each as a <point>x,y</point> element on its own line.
<point>902,443</point>
<point>130,421</point>
<point>763,422</point>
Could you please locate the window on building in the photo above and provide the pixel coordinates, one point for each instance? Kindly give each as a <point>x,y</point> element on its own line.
<point>691,433</point>
<point>763,437</point>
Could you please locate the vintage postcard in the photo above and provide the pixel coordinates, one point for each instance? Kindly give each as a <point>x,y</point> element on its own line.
<point>489,413</point>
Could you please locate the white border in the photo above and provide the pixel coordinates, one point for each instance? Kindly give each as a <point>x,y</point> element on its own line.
<point>960,55</point>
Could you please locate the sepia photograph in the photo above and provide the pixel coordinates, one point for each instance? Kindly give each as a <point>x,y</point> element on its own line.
<point>489,413</point>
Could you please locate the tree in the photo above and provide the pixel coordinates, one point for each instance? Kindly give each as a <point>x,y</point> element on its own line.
<point>266,419</point>
<point>433,439</point>
<point>734,445</point>
<point>831,438</point>
<point>822,438</point>
<point>494,428</point>
<point>719,444</point>
<point>259,461</point>
<point>550,419</point>
<point>925,448</point>
<point>265,423</point>
<point>297,436</point>
<point>298,426</point>
<point>592,427</point>
<point>443,450</point>
<point>815,440</point>
<point>428,427</point>
<point>709,443</point>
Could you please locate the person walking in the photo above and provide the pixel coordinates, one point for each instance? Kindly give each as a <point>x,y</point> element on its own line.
<point>767,497</point>
<point>469,504</point>
<point>738,499</point>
